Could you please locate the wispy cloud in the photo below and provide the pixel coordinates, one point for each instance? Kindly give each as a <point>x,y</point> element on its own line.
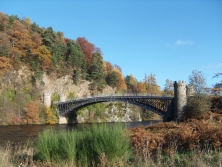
<point>181,42</point>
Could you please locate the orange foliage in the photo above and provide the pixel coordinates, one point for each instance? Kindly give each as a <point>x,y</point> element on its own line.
<point>141,87</point>
<point>32,113</point>
<point>21,38</point>
<point>4,20</point>
<point>172,137</point>
<point>121,86</point>
<point>87,48</point>
<point>109,67</point>
<point>5,64</point>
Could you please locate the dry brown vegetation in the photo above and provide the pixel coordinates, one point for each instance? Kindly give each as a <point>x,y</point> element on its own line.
<point>192,134</point>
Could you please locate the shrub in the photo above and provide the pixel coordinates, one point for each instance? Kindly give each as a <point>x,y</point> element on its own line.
<point>196,105</point>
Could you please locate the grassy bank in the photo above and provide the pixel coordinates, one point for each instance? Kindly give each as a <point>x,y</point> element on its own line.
<point>195,143</point>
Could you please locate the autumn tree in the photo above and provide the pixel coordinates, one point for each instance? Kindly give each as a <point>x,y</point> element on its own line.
<point>87,48</point>
<point>4,21</point>
<point>5,64</point>
<point>141,88</point>
<point>20,39</point>
<point>121,86</point>
<point>45,58</point>
<point>151,84</point>
<point>5,45</point>
<point>32,114</point>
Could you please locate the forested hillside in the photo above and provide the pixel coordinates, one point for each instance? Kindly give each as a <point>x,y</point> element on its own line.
<point>43,51</point>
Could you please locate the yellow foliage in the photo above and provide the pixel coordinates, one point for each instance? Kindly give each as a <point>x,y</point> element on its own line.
<point>50,117</point>
<point>45,57</point>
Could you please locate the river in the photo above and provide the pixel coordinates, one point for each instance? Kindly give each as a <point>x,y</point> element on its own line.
<point>23,133</point>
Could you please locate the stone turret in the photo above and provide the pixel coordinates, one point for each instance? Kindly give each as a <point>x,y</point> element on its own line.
<point>180,99</point>
<point>47,99</point>
<point>62,120</point>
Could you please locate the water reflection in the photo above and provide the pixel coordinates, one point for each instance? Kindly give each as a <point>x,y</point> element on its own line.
<point>23,133</point>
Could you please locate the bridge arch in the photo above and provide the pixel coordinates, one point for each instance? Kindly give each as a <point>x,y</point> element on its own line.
<point>158,105</point>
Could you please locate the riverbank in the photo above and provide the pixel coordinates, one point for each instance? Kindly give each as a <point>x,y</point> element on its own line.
<point>190,143</point>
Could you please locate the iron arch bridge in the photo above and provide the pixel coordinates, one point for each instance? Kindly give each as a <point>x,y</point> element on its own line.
<point>158,104</point>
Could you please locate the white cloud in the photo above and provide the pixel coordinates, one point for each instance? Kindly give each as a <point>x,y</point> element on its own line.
<point>181,42</point>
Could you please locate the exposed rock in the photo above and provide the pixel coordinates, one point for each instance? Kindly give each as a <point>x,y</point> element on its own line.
<point>111,114</point>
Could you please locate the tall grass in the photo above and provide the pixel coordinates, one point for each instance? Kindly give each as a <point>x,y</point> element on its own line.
<point>85,147</point>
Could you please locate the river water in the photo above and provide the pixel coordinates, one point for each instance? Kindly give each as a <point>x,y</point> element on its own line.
<point>23,133</point>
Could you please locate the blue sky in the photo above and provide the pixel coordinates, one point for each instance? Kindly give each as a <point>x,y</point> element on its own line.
<point>167,38</point>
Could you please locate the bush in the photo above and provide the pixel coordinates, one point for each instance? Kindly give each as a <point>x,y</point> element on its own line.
<point>216,104</point>
<point>196,106</point>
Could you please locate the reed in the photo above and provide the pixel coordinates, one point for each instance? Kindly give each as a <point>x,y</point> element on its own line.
<point>84,147</point>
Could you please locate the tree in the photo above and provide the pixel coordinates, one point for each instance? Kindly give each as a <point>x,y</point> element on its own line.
<point>76,60</point>
<point>141,87</point>
<point>5,45</point>
<point>217,86</point>
<point>131,83</point>
<point>21,40</point>
<point>45,57</point>
<point>59,49</point>
<point>217,89</point>
<point>96,72</point>
<point>87,48</point>
<point>121,86</point>
<point>4,21</point>
<point>198,81</point>
<point>169,88</point>
<point>151,85</point>
<point>112,79</point>
<point>49,38</point>
<point>5,64</point>
<point>32,115</point>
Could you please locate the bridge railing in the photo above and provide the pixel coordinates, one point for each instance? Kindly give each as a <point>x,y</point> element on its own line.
<point>118,94</point>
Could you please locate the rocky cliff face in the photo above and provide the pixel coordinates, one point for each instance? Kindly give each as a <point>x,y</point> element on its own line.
<point>64,85</point>
<point>102,112</point>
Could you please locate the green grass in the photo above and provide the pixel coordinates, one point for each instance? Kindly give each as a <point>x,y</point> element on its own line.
<point>84,147</point>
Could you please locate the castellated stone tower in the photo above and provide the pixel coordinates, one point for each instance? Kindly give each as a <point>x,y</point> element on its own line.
<point>180,99</point>
<point>47,99</point>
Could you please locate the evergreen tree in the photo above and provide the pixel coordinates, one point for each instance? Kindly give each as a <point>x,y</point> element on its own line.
<point>112,79</point>
<point>96,72</point>
<point>76,60</point>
